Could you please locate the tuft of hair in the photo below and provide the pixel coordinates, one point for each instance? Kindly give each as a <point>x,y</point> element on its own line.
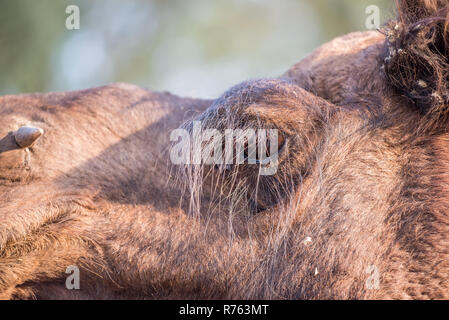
<point>416,56</point>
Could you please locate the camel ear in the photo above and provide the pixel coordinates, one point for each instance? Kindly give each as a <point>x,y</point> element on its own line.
<point>416,56</point>
<point>411,11</point>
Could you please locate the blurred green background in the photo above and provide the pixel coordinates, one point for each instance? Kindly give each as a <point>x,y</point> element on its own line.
<point>189,47</point>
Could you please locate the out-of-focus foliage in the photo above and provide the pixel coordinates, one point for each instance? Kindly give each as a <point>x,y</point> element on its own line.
<point>190,47</point>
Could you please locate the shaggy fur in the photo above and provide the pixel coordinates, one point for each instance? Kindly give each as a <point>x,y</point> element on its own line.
<point>362,183</point>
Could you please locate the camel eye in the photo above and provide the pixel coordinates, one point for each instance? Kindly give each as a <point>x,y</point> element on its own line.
<point>264,151</point>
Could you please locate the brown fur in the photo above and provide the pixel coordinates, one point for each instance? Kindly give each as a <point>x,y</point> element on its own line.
<point>364,182</point>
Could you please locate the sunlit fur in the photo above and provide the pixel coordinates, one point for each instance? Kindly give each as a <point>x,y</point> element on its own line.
<point>363,184</point>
